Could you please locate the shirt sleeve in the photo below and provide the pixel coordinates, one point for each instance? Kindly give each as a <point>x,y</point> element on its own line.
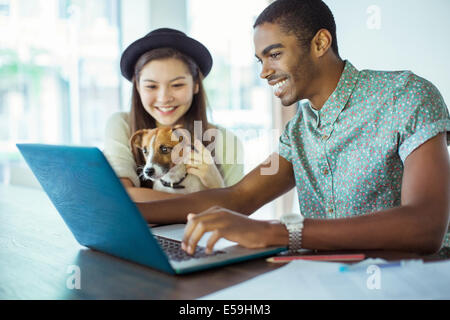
<point>421,113</point>
<point>285,146</point>
<point>117,150</point>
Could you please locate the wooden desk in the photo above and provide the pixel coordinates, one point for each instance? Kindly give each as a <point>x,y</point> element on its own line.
<point>37,248</point>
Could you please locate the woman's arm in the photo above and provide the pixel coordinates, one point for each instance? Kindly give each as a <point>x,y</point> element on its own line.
<point>145,194</point>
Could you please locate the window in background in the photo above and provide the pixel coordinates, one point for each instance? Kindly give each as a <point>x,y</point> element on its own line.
<point>59,75</point>
<point>238,98</point>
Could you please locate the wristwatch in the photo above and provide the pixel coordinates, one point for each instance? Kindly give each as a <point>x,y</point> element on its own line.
<point>294,225</point>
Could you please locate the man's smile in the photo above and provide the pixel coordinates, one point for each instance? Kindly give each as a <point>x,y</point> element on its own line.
<point>279,86</point>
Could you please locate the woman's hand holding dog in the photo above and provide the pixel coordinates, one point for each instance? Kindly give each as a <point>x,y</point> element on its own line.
<point>203,166</point>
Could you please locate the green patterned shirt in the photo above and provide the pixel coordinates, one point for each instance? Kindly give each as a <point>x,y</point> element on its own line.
<point>348,157</point>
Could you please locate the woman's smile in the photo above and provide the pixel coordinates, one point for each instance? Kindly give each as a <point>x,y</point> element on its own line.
<point>166,110</point>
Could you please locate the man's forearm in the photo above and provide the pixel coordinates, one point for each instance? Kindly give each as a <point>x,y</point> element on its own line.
<point>176,210</point>
<point>399,229</point>
<point>245,197</point>
<point>147,194</point>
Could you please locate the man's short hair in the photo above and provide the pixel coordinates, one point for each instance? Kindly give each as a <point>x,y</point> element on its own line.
<point>303,18</point>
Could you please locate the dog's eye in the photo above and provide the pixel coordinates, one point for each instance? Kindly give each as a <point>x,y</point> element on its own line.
<point>164,149</point>
<point>144,150</point>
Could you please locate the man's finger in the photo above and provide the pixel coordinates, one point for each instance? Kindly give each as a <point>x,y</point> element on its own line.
<point>190,216</point>
<point>188,230</point>
<point>199,230</point>
<point>194,220</point>
<point>215,236</point>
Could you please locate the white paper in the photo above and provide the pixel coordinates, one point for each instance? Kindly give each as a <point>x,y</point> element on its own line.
<point>308,280</point>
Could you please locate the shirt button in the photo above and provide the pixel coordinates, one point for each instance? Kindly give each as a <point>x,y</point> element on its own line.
<point>325,171</point>
<point>330,210</point>
<point>325,137</point>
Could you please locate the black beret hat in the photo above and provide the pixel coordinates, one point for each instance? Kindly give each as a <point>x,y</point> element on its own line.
<point>163,38</point>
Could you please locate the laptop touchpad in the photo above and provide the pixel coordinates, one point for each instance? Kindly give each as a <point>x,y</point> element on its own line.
<point>176,231</point>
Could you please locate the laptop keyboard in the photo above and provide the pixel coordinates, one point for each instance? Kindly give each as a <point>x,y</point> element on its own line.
<point>173,250</point>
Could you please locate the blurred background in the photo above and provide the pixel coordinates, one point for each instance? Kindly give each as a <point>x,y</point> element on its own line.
<point>60,79</point>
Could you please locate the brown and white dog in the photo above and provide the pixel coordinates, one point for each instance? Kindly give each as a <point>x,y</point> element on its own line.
<point>156,145</point>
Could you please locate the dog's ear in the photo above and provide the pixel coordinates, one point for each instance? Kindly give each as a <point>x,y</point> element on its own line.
<point>136,142</point>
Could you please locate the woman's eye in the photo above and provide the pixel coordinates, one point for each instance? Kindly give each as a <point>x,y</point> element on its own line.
<point>178,85</point>
<point>150,87</point>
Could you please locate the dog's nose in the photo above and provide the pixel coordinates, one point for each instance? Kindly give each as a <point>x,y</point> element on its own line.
<point>149,171</point>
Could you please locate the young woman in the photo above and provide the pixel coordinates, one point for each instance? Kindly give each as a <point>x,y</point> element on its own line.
<point>166,69</point>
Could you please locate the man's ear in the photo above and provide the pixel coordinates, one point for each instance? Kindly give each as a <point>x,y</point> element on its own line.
<point>321,42</point>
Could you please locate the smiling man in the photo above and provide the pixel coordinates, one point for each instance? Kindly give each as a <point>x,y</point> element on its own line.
<point>367,151</point>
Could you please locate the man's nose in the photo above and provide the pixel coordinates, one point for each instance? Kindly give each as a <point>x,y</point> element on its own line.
<point>266,71</point>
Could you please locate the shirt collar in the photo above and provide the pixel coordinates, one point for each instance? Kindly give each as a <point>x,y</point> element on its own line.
<point>339,98</point>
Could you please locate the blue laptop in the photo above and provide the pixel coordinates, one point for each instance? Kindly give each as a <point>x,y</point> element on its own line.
<point>97,209</point>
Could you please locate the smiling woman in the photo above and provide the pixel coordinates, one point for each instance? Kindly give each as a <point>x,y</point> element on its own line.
<point>166,69</point>
<point>167,88</point>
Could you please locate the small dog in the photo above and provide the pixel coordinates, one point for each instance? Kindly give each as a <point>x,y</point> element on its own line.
<point>156,146</point>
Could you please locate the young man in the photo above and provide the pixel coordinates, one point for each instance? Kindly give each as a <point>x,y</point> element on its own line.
<point>367,151</point>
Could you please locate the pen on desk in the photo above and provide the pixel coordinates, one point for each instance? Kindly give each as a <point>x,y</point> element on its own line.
<point>331,257</point>
<point>379,265</point>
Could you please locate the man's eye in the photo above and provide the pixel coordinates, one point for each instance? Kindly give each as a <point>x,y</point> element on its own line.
<point>275,55</point>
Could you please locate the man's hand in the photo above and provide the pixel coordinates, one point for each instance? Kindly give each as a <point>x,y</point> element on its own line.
<point>224,223</point>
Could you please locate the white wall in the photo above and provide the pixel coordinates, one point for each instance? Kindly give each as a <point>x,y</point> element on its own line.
<point>396,35</point>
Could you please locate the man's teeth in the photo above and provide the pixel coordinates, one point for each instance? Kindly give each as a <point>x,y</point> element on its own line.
<point>277,85</point>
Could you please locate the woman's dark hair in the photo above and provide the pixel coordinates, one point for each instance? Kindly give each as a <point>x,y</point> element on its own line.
<point>303,18</point>
<point>141,119</point>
